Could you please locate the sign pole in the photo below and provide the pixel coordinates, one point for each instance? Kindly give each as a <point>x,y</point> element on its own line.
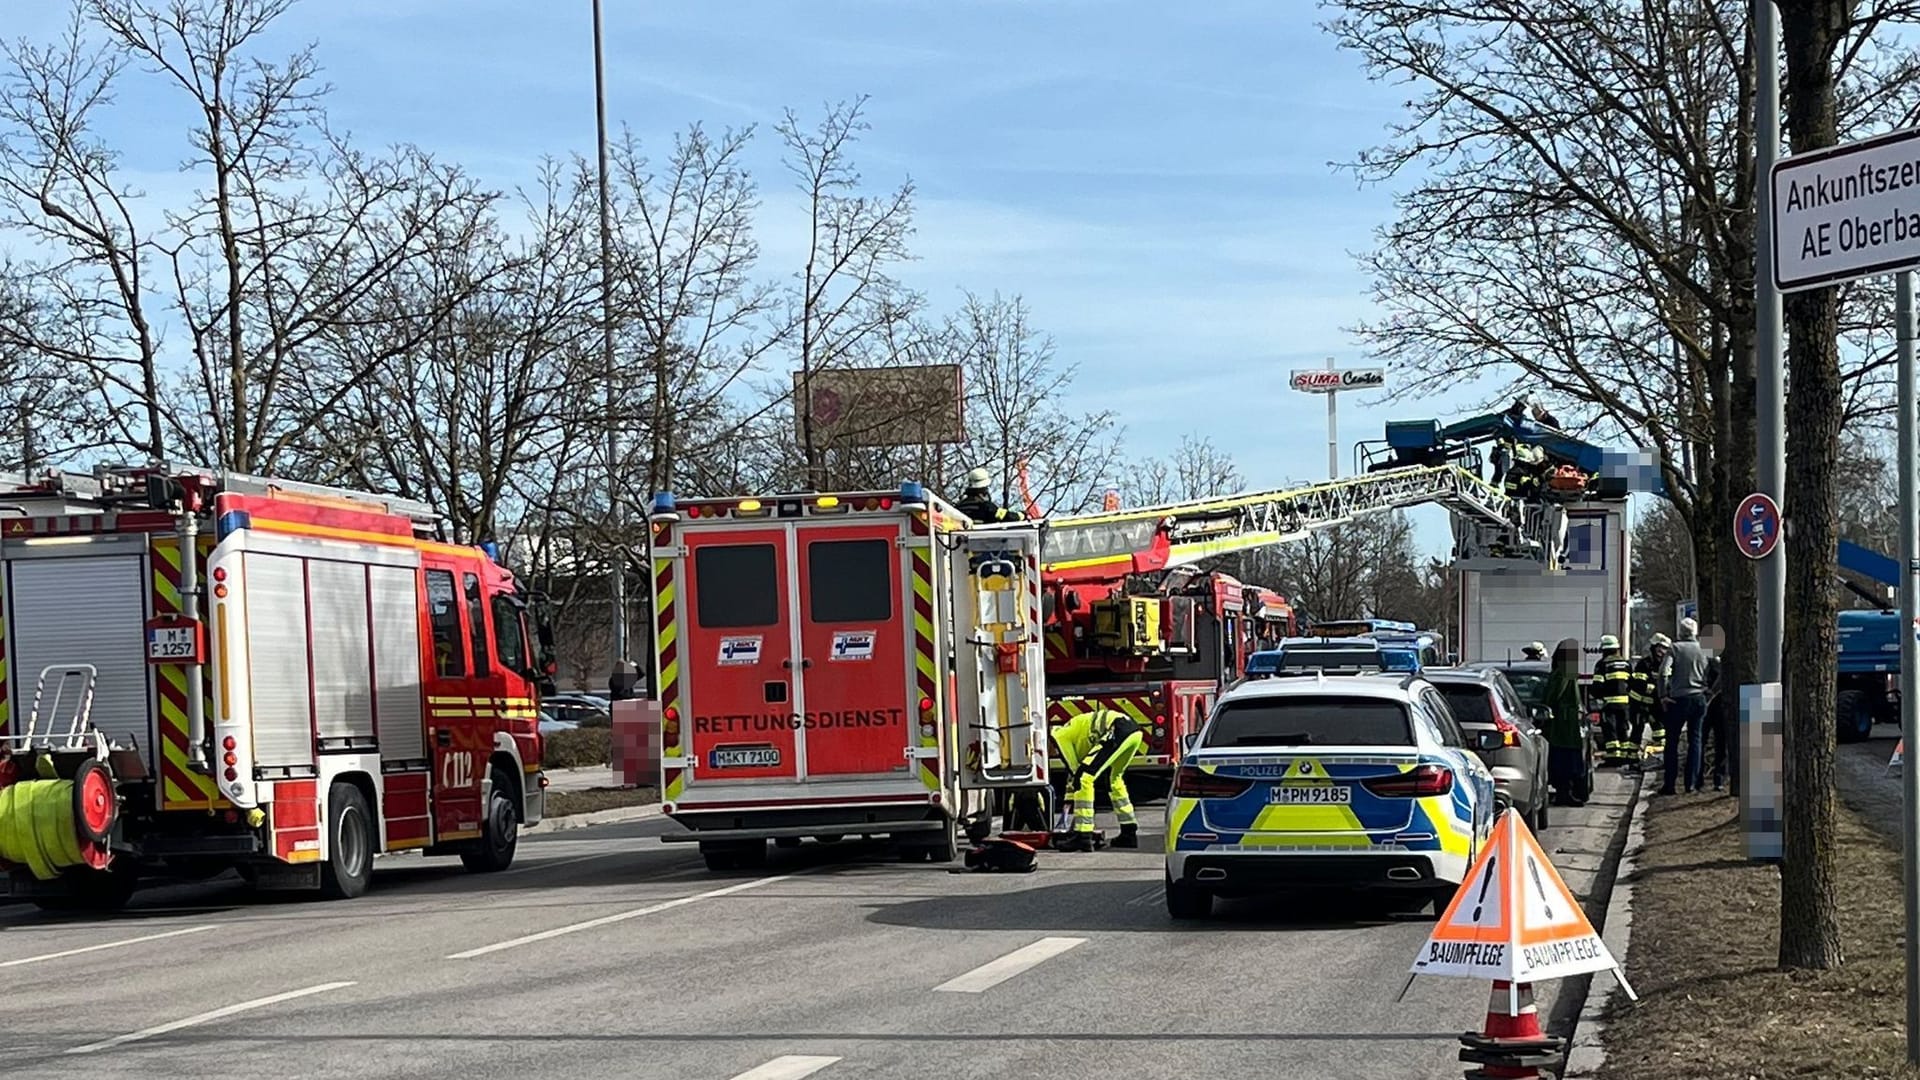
<point>1909,649</point>
<point>1770,429</point>
<point>1333,437</point>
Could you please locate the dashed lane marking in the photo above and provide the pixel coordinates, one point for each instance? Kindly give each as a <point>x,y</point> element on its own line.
<point>64,953</point>
<point>623,916</point>
<point>207,1017</point>
<point>791,1067</point>
<point>992,974</point>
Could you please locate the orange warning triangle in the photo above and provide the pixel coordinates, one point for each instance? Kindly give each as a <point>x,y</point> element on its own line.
<point>1514,919</point>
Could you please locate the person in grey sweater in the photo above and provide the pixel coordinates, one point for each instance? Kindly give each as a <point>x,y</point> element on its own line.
<point>1683,691</point>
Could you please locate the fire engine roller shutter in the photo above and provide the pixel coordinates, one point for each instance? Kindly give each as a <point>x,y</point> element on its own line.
<point>277,647</point>
<point>342,685</point>
<point>83,609</point>
<point>396,663</point>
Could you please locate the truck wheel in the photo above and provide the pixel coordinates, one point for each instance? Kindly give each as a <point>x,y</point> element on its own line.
<point>725,855</point>
<point>1853,716</point>
<point>500,838</point>
<point>350,842</point>
<point>95,892</point>
<point>1188,901</point>
<point>943,848</point>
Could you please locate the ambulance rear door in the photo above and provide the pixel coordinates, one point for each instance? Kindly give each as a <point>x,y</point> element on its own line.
<point>855,642</point>
<point>736,654</point>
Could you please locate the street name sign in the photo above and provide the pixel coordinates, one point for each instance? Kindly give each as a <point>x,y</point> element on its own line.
<point>1846,212</point>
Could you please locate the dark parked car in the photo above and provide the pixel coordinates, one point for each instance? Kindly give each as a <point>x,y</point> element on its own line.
<point>1529,681</point>
<point>1483,700</point>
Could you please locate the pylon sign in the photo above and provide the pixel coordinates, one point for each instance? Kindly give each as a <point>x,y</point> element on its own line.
<point>1514,919</point>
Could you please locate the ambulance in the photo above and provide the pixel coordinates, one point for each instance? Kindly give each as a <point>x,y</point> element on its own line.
<point>843,664</point>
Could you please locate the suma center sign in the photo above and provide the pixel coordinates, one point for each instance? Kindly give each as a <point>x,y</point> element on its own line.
<point>1329,381</point>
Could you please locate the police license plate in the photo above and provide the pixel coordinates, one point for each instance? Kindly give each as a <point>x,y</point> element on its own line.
<point>1311,794</point>
<point>744,757</point>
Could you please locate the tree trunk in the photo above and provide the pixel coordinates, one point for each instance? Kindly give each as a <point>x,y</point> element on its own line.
<point>1809,924</point>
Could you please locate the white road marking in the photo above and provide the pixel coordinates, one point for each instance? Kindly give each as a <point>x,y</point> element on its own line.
<point>608,920</point>
<point>992,974</point>
<point>791,1067</point>
<point>207,1017</point>
<point>103,945</point>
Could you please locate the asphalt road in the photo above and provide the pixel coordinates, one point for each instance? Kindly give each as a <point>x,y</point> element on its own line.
<point>605,953</point>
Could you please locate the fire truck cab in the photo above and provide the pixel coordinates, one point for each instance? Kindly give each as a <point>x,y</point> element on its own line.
<point>843,664</point>
<point>233,672</point>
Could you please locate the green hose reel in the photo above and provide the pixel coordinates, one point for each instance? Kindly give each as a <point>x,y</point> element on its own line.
<point>53,825</point>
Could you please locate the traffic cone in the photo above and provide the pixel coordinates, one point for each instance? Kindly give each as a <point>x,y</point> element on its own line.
<point>1512,1047</point>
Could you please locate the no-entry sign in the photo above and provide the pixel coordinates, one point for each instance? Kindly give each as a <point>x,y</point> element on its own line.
<point>1756,526</point>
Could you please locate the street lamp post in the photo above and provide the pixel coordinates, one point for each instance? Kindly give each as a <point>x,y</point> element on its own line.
<point>616,517</point>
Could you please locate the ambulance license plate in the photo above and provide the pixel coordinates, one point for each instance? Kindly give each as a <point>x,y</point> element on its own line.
<point>744,757</point>
<point>1311,794</point>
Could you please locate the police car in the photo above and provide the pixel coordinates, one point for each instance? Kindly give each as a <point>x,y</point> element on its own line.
<point>1310,780</point>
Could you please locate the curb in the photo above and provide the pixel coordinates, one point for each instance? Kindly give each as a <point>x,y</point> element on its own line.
<point>617,816</point>
<point>1589,1051</point>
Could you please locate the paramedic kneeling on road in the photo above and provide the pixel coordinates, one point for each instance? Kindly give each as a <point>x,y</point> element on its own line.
<point>1101,742</point>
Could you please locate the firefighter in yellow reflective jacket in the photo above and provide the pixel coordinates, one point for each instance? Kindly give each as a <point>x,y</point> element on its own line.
<point>1099,743</point>
<point>1612,688</point>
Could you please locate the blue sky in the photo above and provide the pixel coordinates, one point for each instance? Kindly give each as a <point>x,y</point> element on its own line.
<point>1153,177</point>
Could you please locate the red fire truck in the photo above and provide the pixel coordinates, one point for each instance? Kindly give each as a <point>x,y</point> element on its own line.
<point>1157,646</point>
<point>219,671</point>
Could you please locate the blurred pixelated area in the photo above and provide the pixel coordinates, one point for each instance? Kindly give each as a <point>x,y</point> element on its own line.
<point>1763,710</point>
<point>636,741</point>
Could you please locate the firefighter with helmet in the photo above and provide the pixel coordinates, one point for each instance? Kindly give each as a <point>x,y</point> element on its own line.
<point>1641,692</point>
<point>1534,651</point>
<point>1613,689</point>
<point>1101,742</point>
<point>977,503</point>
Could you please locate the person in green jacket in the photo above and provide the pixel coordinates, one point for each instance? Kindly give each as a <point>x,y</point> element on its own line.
<point>1567,767</point>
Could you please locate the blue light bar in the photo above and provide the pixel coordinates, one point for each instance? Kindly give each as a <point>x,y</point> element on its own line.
<point>913,493</point>
<point>663,503</point>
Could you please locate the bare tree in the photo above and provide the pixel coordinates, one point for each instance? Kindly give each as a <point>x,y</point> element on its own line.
<point>1018,408</point>
<point>1815,34</point>
<point>294,236</point>
<point>844,299</point>
<point>84,306</point>
<point>1195,470</point>
<point>687,299</point>
<point>1584,226</point>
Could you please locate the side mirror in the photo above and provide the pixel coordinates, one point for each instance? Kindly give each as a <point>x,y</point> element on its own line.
<point>1542,714</point>
<point>1189,741</point>
<point>1489,740</point>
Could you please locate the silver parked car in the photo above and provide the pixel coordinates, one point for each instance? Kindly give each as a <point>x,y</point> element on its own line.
<point>1483,700</point>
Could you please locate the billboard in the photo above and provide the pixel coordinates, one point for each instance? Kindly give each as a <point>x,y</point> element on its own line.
<point>917,405</point>
<point>1329,381</point>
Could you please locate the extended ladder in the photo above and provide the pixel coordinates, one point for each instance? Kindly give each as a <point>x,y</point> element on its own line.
<point>1178,534</point>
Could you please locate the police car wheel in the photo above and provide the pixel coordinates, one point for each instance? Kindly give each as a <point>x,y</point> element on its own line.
<point>1442,896</point>
<point>786,842</point>
<point>1186,900</point>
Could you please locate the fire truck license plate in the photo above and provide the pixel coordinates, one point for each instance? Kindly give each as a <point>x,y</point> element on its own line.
<point>170,642</point>
<point>744,757</point>
<point>1311,794</point>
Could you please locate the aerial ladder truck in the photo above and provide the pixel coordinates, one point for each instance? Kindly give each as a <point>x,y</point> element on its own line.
<point>1134,624</point>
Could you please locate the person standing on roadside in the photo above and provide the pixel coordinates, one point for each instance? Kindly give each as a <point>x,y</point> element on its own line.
<point>1568,764</point>
<point>1683,694</point>
<point>1642,689</point>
